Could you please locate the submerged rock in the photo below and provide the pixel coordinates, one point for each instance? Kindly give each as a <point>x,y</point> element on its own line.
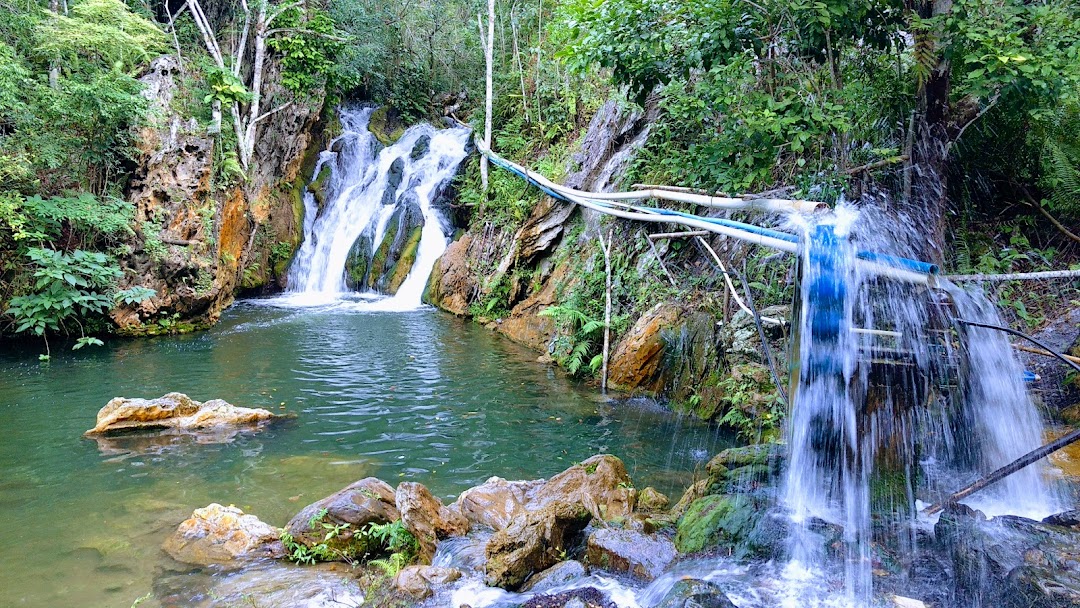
<point>694,593</point>
<point>368,501</point>
<point>533,543</point>
<point>219,535</point>
<point>425,516</point>
<point>644,556</point>
<point>174,411</point>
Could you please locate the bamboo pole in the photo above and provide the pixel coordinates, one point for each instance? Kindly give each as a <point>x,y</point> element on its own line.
<point>1039,351</point>
<point>1006,470</point>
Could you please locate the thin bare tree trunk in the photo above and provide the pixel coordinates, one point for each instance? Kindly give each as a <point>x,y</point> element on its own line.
<point>489,51</point>
<point>606,247</point>
<point>54,69</point>
<point>520,67</point>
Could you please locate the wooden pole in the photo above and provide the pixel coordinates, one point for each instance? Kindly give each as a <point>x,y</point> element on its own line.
<point>489,52</point>
<point>1007,470</point>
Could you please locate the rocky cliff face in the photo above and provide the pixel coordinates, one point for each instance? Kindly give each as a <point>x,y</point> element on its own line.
<point>204,233</point>
<point>673,343</point>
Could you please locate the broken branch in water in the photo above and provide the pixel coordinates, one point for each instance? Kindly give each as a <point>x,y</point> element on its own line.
<point>1006,470</point>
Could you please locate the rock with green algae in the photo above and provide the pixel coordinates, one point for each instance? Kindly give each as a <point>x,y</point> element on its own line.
<point>651,500</point>
<point>358,262</point>
<point>734,521</point>
<point>318,186</point>
<point>386,125</point>
<point>368,501</point>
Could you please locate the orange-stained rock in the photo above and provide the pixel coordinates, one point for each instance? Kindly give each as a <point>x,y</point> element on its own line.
<point>638,360</point>
<point>451,281</point>
<point>174,411</point>
<point>496,502</point>
<point>425,516</point>
<point>600,484</point>
<point>524,325</point>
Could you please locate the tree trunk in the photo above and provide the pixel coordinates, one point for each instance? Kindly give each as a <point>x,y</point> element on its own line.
<point>927,198</point>
<point>489,51</point>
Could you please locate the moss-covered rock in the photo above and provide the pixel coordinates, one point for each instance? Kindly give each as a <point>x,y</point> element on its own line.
<point>386,125</point>
<point>405,262</point>
<point>728,520</point>
<point>318,186</point>
<point>358,262</point>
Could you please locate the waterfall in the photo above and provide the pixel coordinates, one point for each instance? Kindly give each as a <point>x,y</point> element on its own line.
<point>891,384</point>
<point>372,221</point>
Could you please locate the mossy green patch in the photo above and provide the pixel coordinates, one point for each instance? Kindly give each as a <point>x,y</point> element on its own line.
<point>378,261</point>
<point>405,261</point>
<point>385,126</point>
<point>717,519</point>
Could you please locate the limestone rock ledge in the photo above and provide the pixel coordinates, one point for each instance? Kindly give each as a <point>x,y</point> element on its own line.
<point>174,411</point>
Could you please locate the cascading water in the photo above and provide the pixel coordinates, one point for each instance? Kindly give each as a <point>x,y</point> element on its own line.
<point>375,224</point>
<point>891,383</point>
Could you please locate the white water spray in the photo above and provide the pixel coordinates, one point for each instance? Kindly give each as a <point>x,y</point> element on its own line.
<point>366,187</point>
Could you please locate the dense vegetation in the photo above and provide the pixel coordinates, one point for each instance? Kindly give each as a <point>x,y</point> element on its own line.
<point>965,113</point>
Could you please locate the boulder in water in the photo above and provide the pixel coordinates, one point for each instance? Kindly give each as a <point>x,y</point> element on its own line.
<point>368,501</point>
<point>220,535</point>
<point>556,576</point>
<point>585,597</point>
<point>644,556</point>
<point>695,593</point>
<point>650,500</point>
<point>716,519</point>
<point>425,516</point>
<point>318,186</point>
<point>1011,561</point>
<point>533,543</point>
<point>393,180</point>
<point>417,581</point>
<point>358,262</point>
<point>421,147</point>
<point>496,502</point>
<point>174,411</point>
<point>600,484</point>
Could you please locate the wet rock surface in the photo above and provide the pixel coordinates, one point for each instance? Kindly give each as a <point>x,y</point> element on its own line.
<point>221,535</point>
<point>426,518</point>
<point>174,411</point>
<point>368,501</point>
<point>417,582</point>
<point>533,543</point>
<point>644,556</point>
<point>556,576</point>
<point>586,597</point>
<point>1012,561</point>
<point>695,593</point>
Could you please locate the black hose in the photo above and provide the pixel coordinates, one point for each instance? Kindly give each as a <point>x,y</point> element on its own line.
<point>1012,331</point>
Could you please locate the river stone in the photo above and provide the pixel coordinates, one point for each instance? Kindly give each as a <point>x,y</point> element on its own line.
<point>218,535</point>
<point>417,581</point>
<point>421,147</point>
<point>651,500</point>
<point>174,411</point>
<point>318,186</point>
<point>393,180</point>
<point>644,556</point>
<point>555,576</point>
<point>358,262</point>
<point>496,502</point>
<point>425,516</point>
<point>368,501</point>
<point>1009,561</point>
<point>533,543</point>
<point>600,484</point>
<point>694,593</point>
<point>585,597</point>
<point>716,519</point>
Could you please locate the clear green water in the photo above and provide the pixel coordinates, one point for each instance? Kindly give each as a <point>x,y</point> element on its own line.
<point>417,395</point>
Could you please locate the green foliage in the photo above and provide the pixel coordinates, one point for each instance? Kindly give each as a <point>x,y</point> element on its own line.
<point>391,539</point>
<point>307,50</point>
<point>225,87</point>
<point>572,347</point>
<point>102,32</point>
<point>65,285</point>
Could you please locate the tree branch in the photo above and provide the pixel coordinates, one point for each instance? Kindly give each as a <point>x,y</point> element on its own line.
<point>300,30</point>
<point>272,112</point>
<point>978,115</point>
<point>1061,227</point>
